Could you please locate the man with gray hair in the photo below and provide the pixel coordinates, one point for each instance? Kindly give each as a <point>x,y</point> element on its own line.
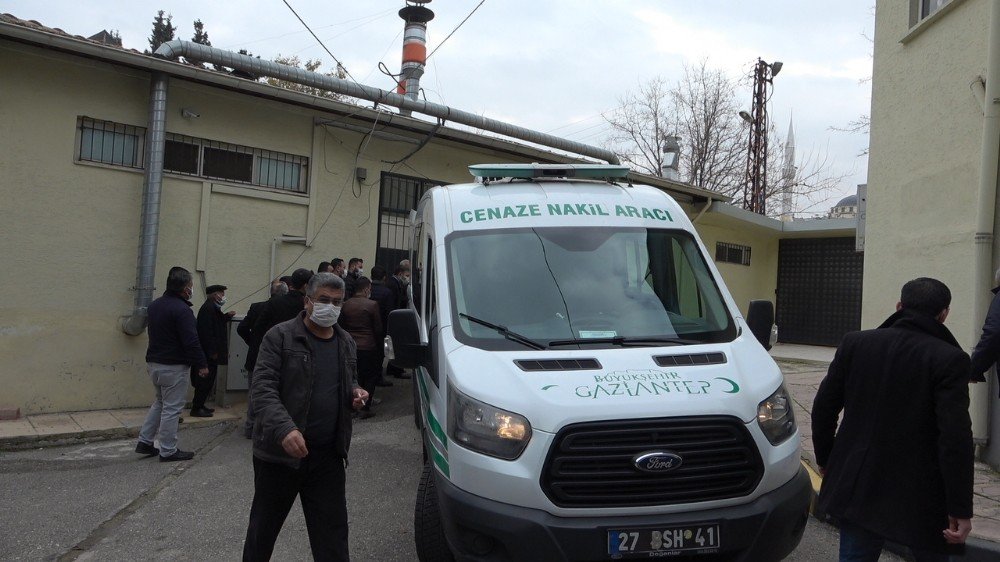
<point>252,337</point>
<point>304,387</point>
<point>174,351</point>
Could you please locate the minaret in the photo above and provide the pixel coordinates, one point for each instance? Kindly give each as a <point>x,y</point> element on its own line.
<point>788,176</point>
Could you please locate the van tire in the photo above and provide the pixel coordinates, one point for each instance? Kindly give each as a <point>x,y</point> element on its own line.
<point>418,418</point>
<point>428,531</point>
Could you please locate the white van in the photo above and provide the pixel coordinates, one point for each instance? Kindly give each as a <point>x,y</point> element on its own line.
<point>586,387</point>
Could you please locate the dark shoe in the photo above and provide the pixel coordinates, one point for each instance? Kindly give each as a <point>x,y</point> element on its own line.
<point>200,413</point>
<point>383,382</point>
<point>210,409</point>
<point>376,401</point>
<point>146,449</point>
<point>180,420</point>
<point>178,455</point>
<point>403,375</point>
<point>365,414</point>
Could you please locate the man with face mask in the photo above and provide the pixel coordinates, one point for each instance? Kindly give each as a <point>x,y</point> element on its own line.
<point>173,351</point>
<point>398,284</point>
<point>214,337</point>
<point>304,388</point>
<point>355,269</point>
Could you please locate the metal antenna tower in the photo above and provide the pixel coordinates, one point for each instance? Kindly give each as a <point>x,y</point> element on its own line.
<point>755,184</point>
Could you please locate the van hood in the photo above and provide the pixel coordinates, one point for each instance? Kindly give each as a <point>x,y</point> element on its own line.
<point>628,383</point>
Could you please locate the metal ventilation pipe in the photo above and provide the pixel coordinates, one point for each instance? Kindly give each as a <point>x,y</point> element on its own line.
<point>414,48</point>
<point>149,227</point>
<point>259,67</point>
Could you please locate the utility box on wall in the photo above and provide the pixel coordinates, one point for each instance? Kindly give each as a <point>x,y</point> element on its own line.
<point>237,377</point>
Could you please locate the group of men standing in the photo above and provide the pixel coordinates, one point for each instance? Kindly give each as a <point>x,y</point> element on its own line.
<point>315,356</point>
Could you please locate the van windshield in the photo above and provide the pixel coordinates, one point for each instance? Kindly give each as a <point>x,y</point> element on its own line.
<point>583,287</point>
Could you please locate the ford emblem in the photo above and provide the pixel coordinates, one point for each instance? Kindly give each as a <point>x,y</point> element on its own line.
<point>657,461</point>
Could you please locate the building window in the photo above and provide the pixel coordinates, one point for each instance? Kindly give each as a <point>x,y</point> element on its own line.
<point>732,253</point>
<point>110,143</point>
<point>122,145</point>
<point>928,7</point>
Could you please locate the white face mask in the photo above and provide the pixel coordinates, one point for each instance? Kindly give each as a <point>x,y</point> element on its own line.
<point>325,315</point>
<point>221,302</point>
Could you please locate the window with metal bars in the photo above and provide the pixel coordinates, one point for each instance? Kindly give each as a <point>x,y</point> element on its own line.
<point>122,145</point>
<point>732,253</point>
<point>110,143</point>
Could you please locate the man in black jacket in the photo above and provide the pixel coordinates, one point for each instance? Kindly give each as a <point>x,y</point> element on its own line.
<point>213,333</point>
<point>355,269</point>
<point>285,307</point>
<point>304,388</point>
<point>173,351</point>
<point>987,351</point>
<point>252,338</point>
<point>901,465</point>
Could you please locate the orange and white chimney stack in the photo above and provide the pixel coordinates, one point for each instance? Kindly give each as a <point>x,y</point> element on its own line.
<point>416,16</point>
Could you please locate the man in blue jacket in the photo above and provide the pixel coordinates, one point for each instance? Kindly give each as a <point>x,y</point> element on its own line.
<point>173,350</point>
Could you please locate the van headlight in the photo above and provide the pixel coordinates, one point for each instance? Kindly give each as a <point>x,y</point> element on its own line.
<point>486,429</point>
<point>775,416</point>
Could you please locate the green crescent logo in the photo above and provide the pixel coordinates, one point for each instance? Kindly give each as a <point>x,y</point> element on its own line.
<point>734,390</point>
<point>546,387</point>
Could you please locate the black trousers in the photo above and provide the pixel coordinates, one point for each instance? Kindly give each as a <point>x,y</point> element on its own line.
<point>320,484</point>
<point>202,385</point>
<point>369,369</point>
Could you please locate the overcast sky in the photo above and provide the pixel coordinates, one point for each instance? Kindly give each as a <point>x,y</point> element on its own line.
<point>551,65</point>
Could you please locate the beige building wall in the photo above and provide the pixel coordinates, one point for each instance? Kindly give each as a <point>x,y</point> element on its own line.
<point>923,168</point>
<point>756,281</point>
<point>70,230</point>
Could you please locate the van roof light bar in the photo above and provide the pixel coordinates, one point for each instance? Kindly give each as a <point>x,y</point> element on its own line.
<point>585,171</point>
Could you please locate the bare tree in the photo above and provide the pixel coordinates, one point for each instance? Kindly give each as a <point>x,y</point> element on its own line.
<point>311,66</point>
<point>706,113</point>
<point>639,125</point>
<point>703,109</point>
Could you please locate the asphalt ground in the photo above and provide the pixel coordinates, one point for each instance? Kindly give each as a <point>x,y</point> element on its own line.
<point>101,501</point>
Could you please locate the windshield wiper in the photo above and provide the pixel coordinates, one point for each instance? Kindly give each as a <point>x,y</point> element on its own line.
<point>626,342</point>
<point>512,336</point>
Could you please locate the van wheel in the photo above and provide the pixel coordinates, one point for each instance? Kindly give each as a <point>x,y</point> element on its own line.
<point>418,418</point>
<point>428,532</point>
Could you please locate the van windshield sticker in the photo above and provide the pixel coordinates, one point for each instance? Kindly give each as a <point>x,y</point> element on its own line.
<point>586,334</point>
<point>637,383</point>
<point>562,210</point>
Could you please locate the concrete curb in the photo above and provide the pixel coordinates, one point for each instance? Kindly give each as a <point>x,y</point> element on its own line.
<point>24,442</point>
<point>976,549</point>
<point>797,360</point>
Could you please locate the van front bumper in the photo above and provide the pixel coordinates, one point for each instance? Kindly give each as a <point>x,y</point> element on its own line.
<point>768,528</point>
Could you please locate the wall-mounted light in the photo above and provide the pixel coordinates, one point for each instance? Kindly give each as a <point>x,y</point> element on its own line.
<point>746,117</point>
<point>189,113</point>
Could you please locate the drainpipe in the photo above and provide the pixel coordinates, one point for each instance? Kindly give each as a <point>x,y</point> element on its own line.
<point>149,227</point>
<point>259,67</point>
<point>986,213</point>
<point>708,204</point>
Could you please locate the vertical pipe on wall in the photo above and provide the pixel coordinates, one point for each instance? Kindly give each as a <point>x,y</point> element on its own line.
<point>986,212</point>
<point>152,185</point>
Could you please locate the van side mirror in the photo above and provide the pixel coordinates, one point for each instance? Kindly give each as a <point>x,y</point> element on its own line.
<point>402,346</point>
<point>760,318</point>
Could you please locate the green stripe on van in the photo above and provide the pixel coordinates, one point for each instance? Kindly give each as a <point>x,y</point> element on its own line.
<point>432,422</point>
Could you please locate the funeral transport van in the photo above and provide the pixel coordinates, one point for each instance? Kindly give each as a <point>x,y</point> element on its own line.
<point>585,386</point>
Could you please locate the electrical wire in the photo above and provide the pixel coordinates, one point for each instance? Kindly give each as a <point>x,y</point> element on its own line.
<point>481,2</point>
<point>309,243</point>
<point>319,41</point>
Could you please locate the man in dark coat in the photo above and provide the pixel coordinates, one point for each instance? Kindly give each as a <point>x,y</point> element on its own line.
<point>173,351</point>
<point>284,307</point>
<point>355,270</point>
<point>987,351</point>
<point>397,284</point>
<point>213,333</point>
<point>901,465</point>
<point>304,389</point>
<point>253,339</point>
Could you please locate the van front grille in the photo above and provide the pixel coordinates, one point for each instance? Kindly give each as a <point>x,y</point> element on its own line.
<point>592,464</point>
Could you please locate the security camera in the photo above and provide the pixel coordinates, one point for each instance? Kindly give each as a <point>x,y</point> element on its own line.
<point>190,113</point>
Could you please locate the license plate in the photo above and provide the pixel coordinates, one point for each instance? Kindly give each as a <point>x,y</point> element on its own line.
<point>663,541</point>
